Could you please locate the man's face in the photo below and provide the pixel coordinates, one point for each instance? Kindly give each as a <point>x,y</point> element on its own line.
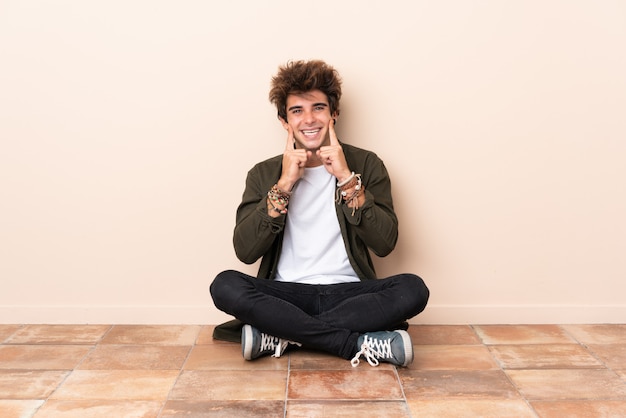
<point>308,114</point>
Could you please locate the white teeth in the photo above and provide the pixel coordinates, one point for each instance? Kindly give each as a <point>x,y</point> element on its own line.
<point>313,132</point>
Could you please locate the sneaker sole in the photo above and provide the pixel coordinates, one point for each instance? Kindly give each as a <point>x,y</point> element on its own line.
<point>408,347</point>
<point>246,335</point>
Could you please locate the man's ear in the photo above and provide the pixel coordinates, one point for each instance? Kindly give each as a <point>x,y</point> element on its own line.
<point>283,122</point>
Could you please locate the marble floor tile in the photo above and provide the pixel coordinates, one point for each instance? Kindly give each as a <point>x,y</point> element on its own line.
<point>223,409</point>
<point>228,357</point>
<point>6,331</point>
<point>456,408</point>
<point>523,334</point>
<point>443,335</point>
<point>452,357</point>
<point>347,409</point>
<point>42,357</point>
<point>613,355</point>
<point>544,356</point>
<point>580,409</point>
<point>99,409</point>
<point>136,357</point>
<point>450,384</point>
<point>59,334</point>
<point>117,385</point>
<point>582,384</point>
<point>302,359</point>
<point>151,371</point>
<point>152,334</point>
<point>230,385</point>
<point>598,333</point>
<point>19,408</point>
<point>205,336</point>
<point>370,384</point>
<point>30,384</point>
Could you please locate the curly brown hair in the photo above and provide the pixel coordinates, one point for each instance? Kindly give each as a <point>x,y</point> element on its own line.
<point>304,76</point>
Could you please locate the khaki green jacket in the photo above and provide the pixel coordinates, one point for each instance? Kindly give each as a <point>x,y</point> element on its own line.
<point>373,226</point>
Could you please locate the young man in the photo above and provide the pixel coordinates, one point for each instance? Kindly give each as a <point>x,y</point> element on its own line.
<point>313,214</point>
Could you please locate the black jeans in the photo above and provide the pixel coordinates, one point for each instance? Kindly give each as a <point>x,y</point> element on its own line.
<point>324,317</point>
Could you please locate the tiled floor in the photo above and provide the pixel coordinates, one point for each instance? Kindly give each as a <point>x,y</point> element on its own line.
<point>179,371</point>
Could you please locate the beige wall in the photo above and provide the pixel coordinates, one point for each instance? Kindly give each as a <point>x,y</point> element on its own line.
<point>127,128</point>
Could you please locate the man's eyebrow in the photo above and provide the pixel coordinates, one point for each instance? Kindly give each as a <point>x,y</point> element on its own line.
<point>314,105</point>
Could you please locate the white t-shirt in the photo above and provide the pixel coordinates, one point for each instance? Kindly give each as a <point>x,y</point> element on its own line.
<point>313,250</point>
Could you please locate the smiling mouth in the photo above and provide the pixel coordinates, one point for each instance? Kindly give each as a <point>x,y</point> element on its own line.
<point>310,133</point>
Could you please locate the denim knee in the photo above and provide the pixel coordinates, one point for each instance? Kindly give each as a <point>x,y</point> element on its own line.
<point>224,290</point>
<point>418,288</point>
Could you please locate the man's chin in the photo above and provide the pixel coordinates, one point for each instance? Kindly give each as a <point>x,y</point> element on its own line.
<point>310,145</point>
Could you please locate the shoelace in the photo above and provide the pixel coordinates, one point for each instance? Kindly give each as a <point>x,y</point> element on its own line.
<point>282,345</point>
<point>373,349</point>
<point>269,342</point>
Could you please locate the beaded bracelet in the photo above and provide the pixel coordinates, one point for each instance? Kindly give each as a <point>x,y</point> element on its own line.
<point>353,182</point>
<point>278,196</point>
<point>274,208</point>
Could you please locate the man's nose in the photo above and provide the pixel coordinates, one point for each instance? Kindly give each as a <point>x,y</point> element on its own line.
<point>308,116</point>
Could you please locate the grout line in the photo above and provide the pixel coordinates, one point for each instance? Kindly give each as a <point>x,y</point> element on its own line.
<point>104,335</point>
<point>592,352</point>
<point>8,338</point>
<point>180,371</point>
<point>503,370</point>
<point>95,344</point>
<point>406,403</point>
<point>285,404</point>
<point>473,328</point>
<point>67,371</point>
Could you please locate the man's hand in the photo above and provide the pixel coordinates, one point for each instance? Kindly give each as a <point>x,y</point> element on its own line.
<point>332,155</point>
<point>294,161</point>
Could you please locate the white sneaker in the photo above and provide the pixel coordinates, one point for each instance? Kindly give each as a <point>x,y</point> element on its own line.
<point>393,347</point>
<point>255,344</point>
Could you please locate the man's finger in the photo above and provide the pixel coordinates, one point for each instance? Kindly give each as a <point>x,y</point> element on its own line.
<point>331,132</point>
<point>290,141</point>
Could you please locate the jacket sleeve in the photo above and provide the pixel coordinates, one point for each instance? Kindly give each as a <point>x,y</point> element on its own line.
<point>255,231</point>
<point>375,223</point>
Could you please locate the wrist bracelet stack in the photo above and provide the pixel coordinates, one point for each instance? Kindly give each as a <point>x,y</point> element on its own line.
<point>279,197</point>
<point>349,191</point>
